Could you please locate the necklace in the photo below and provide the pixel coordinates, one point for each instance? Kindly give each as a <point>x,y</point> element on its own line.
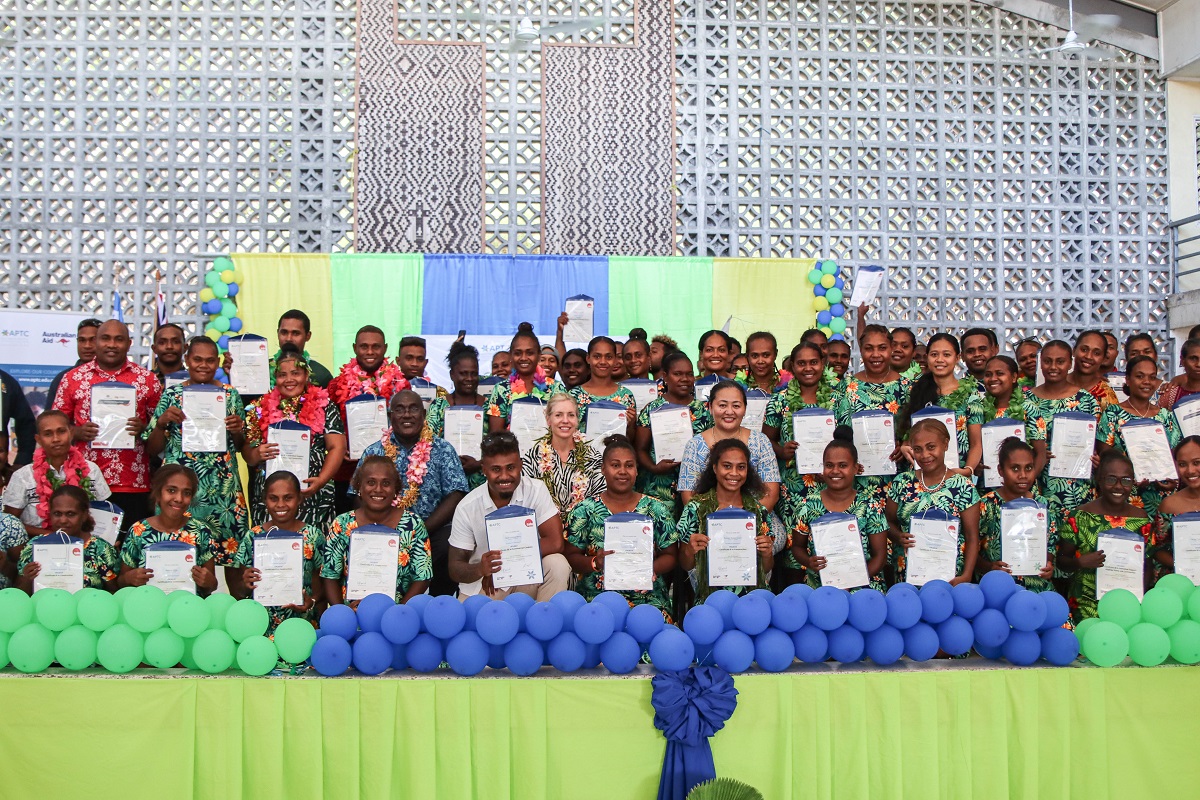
<point>1133,408</point>
<point>933,488</point>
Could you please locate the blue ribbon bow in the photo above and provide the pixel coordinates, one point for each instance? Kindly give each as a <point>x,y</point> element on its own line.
<point>689,706</point>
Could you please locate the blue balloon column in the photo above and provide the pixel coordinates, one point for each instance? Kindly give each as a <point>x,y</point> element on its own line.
<point>828,285</point>
<point>221,285</point>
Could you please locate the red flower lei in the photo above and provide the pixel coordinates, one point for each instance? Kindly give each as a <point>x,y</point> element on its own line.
<point>353,381</point>
<point>307,409</point>
<point>418,466</point>
<point>75,473</point>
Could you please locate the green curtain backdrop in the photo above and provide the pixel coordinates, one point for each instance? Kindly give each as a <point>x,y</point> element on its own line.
<point>381,289</point>
<point>662,295</point>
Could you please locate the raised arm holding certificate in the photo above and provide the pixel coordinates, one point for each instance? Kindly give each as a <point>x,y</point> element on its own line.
<point>935,554</point>
<point>949,422</point>
<point>836,538</point>
<point>603,418</point>
<point>527,421</point>
<point>171,563</point>
<point>1024,526</point>
<point>113,405</point>
<point>867,281</point>
<point>875,439</point>
<point>513,531</point>
<point>464,429</point>
<point>1072,442</point>
<point>203,423</point>
<point>581,311</point>
<point>366,420</point>
<point>1185,544</point>
<point>643,390</point>
<point>630,566</point>
<point>1148,449</point>
<point>373,562</point>
<point>251,370</point>
<point>732,553</point>
<point>756,410</point>
<point>994,434</point>
<point>279,559</point>
<point>293,439</point>
<point>1124,559</point>
<point>812,430</point>
<point>61,560</point>
<point>671,430</point>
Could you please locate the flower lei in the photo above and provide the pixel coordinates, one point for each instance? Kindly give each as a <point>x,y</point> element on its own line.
<point>579,479</point>
<point>518,389</point>
<point>795,398</point>
<point>1025,382</point>
<point>353,381</point>
<point>747,379</point>
<point>75,473</point>
<point>418,466</point>
<point>967,385</point>
<point>913,372</point>
<point>307,409</point>
<point>1015,410</point>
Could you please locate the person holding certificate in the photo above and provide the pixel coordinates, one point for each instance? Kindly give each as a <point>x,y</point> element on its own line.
<point>809,388</point>
<point>295,399</point>
<point>838,495</point>
<point>1186,384</point>
<point>171,492</point>
<point>877,386</point>
<point>463,360</point>
<point>1090,352</point>
<point>762,351</point>
<point>563,459</point>
<point>1018,473</point>
<point>934,486</point>
<point>378,483</point>
<point>714,348</point>
<point>1141,382</point>
<point>589,542</point>
<point>216,418</point>
<point>659,477</point>
<point>939,387</point>
<point>1180,551</point>
<point>1077,552</point>
<point>1056,396</point>
<point>70,512</point>
<point>729,480</point>
<point>602,357</point>
<point>527,379</point>
<point>1005,399</point>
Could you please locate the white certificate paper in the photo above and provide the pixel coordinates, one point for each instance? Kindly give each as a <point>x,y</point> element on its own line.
<point>732,553</point>
<point>366,420</point>
<point>1185,542</point>
<point>513,531</point>
<point>108,519</point>
<point>61,560</point>
<point>1187,414</point>
<point>630,567</point>
<point>671,430</point>
<point>867,281</point>
<point>994,434</point>
<point>643,390</point>
<point>1072,442</point>
<point>812,431</point>
<point>293,439</point>
<point>947,418</point>
<point>426,390</point>
<point>837,538</point>
<point>935,554</point>
<point>581,311</point>
<point>113,404</point>
<point>175,378</point>
<point>527,421</point>
<point>171,563</point>
<point>464,430</point>
<point>756,410</point>
<point>1124,559</point>
<point>1117,381</point>
<point>1146,443</point>
<point>1024,526</point>
<point>279,559</point>
<point>704,386</point>
<point>875,440</point>
<point>251,371</point>
<point>203,419</point>
<point>373,562</point>
<point>604,418</point>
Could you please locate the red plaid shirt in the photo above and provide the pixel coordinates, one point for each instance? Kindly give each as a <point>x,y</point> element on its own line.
<point>124,470</point>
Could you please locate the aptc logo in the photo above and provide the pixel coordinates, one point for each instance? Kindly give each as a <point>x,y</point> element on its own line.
<point>188,558</point>
<point>14,333</point>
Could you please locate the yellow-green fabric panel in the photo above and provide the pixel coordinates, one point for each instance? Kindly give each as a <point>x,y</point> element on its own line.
<point>276,282</point>
<point>764,294</point>
<point>381,289</point>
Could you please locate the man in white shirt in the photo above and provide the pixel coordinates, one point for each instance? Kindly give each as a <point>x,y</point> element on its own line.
<point>472,564</point>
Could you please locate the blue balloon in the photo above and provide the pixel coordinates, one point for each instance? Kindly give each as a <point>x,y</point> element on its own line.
<point>523,655</point>
<point>543,621</point>
<point>1022,648</point>
<point>802,589</point>
<point>211,307</point>
<point>1057,610</point>
<point>567,652</point>
<point>621,653</point>
<point>644,622</point>
<point>968,600</point>
<point>811,643</point>
<point>233,289</point>
<point>617,604</point>
<point>591,659</point>
<point>223,342</point>
<point>994,653</point>
<point>372,653</point>
<point>424,653</point>
<point>937,602</point>
<point>466,653</point>
<point>445,617</point>
<point>921,642</point>
<point>846,645</point>
<point>672,650</point>
<point>837,337</point>
<point>371,609</point>
<point>472,605</point>
<point>594,623</point>
<point>235,324</point>
<point>723,601</point>
<point>1060,646</point>
<point>495,656</point>
<point>868,610</point>
<point>340,621</point>
<point>839,282</point>
<point>902,587</point>
<point>751,615</point>
<point>824,318</point>
<point>904,609</point>
<point>828,608</point>
<point>885,645</point>
<point>997,586</point>
<point>703,625</point>
<point>773,650</point>
<point>765,594</point>
<point>955,635</point>
<point>497,623</point>
<point>991,628</point>
<point>1025,611</point>
<point>569,604</point>
<point>419,604</point>
<point>789,611</point>
<point>819,290</point>
<point>331,655</point>
<point>734,651</point>
<point>399,657</point>
<point>837,309</point>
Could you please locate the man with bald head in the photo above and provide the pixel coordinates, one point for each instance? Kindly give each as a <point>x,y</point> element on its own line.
<point>432,481</point>
<point>127,472</point>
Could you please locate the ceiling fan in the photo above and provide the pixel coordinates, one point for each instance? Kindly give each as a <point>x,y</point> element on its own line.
<point>1076,43</point>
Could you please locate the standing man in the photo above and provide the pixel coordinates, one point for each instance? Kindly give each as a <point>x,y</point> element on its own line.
<point>295,329</point>
<point>85,351</point>
<point>979,345</point>
<point>413,361</point>
<point>127,472</point>
<point>168,351</point>
<point>15,406</point>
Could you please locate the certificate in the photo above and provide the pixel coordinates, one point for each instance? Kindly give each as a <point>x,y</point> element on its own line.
<point>293,439</point>
<point>464,429</point>
<point>373,562</point>
<point>875,440</point>
<point>812,430</point>
<point>1072,442</point>
<point>867,281</point>
<point>1148,449</point>
<point>527,421</point>
<point>670,431</point>
<point>935,554</point>
<point>279,559</point>
<point>581,311</point>
<point>950,423</point>
<point>756,410</point>
<point>113,405</point>
<point>1117,381</point>
<point>1185,542</point>
<point>838,540</point>
<point>203,419</point>
<point>704,387</point>
<point>61,560</point>
<point>643,390</point>
<point>1187,414</point>
<point>175,378</point>
<point>512,530</point>
<point>732,552</point>
<point>251,370</point>
<point>1124,560</point>
<point>630,566</point>
<point>994,434</point>
<point>426,390</point>
<point>108,519</point>
<point>171,563</point>
<point>603,418</point>
<point>366,420</point>
<point>1024,526</point>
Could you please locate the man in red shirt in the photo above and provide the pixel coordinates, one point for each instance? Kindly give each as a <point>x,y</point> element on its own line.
<point>127,472</point>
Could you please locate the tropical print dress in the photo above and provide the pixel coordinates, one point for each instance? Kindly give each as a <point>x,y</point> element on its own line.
<point>1108,431</point>
<point>569,482</point>
<point>585,530</point>
<point>499,402</point>
<point>435,418</point>
<point>867,507</point>
<point>414,561</point>
<point>194,532</point>
<point>313,541</point>
<point>1103,394</point>
<point>857,394</point>
<point>664,486</point>
<point>584,399</point>
<point>954,495</point>
<point>316,510</point>
<point>1062,493</point>
<point>100,562</point>
<point>219,499</point>
<point>796,487</point>
<point>1083,529</point>
<point>12,536</point>
<point>694,519</point>
<point>968,412</point>
<point>991,542</point>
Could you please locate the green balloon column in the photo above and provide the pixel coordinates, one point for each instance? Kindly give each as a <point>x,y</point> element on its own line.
<point>1163,624</point>
<point>222,283</point>
<point>828,286</point>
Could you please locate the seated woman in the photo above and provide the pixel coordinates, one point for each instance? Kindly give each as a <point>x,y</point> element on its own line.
<point>562,459</point>
<point>171,492</point>
<point>70,512</point>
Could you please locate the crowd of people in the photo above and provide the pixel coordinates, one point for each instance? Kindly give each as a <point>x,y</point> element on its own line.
<point>413,481</point>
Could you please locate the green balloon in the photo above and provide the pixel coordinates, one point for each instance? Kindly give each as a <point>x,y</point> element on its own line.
<point>837,324</point>
<point>146,609</point>
<point>214,651</point>
<point>833,295</point>
<point>120,649</point>
<point>97,611</point>
<point>1161,607</point>
<point>1082,628</point>
<point>1185,641</point>
<point>31,649</point>
<point>4,637</point>
<point>213,277</point>
<point>294,639</point>
<point>1149,644</point>
<point>220,289</point>
<point>188,659</point>
<point>257,656</point>
<point>164,648</point>
<point>1193,606</point>
<point>1106,644</point>
<point>1120,606</point>
<point>177,595</point>
<point>189,616</point>
<point>16,610</point>
<point>220,264</point>
<point>228,308</point>
<point>829,267</point>
<point>219,605</point>
<point>221,324</point>
<point>814,277</point>
<point>1179,584</point>
<point>75,648</point>
<point>54,608</point>
<point>245,619</point>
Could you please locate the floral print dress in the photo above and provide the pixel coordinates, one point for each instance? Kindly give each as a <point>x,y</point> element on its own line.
<point>991,543</point>
<point>867,507</point>
<point>1108,431</point>
<point>316,510</point>
<point>954,495</point>
<point>1083,529</point>
<point>414,561</point>
<point>663,486</point>
<point>1062,493</point>
<point>313,540</point>
<point>584,399</point>
<point>858,394</point>
<point>194,532</point>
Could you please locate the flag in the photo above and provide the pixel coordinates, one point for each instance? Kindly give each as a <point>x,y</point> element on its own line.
<point>118,313</point>
<point>160,307</point>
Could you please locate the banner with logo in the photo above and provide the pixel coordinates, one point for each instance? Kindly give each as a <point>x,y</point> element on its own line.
<point>37,345</point>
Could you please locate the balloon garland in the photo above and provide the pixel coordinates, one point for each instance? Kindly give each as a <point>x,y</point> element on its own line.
<point>221,285</point>
<point>828,286</point>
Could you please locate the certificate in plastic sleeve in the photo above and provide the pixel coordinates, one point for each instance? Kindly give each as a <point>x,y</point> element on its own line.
<point>373,561</point>
<point>756,410</point>
<point>61,559</point>
<point>1187,414</point>
<point>867,281</point>
<point>1147,446</point>
<point>171,563</point>
<point>1072,442</point>
<point>875,440</point>
<point>512,530</point>
<point>527,421</point>
<point>175,378</point>
<point>643,390</point>
<point>837,538</point>
<point>671,430</point>
<point>581,313</point>
<point>203,424</point>
<point>279,559</point>
<point>994,434</point>
<point>1185,543</point>
<point>113,405</point>
<point>812,431</point>
<point>604,418</point>
<point>1124,559</point>
<point>630,565</point>
<point>935,554</point>
<point>366,420</point>
<point>294,439</point>
<point>704,387</point>
<point>732,553</point>
<point>108,519</point>
<point>464,429</point>
<point>1024,532</point>
<point>251,371</point>
<point>426,390</point>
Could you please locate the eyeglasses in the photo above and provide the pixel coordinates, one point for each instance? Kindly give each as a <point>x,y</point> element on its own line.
<point>1113,480</point>
<point>408,411</point>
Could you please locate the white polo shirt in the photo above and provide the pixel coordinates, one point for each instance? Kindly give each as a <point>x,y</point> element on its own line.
<point>21,492</point>
<point>469,532</point>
